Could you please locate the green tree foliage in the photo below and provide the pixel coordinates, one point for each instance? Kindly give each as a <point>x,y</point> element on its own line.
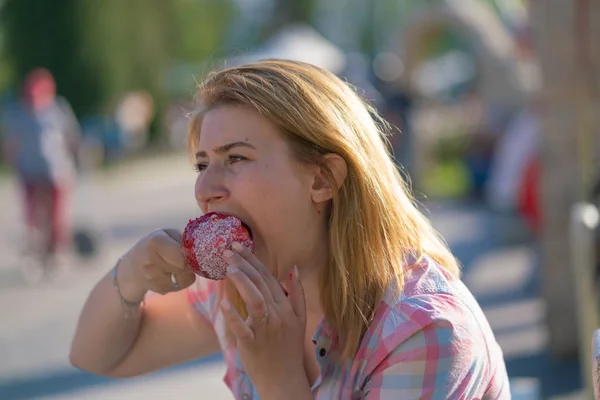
<point>128,45</point>
<point>101,49</point>
<point>42,33</point>
<point>199,32</point>
<point>199,28</point>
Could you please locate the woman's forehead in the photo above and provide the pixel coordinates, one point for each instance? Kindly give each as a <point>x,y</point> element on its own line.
<point>227,124</point>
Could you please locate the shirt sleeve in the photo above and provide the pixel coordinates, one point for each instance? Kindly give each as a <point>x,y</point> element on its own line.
<point>439,359</point>
<point>203,297</point>
<point>419,368</point>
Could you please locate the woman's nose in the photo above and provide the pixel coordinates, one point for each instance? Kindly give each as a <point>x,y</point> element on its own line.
<point>210,187</point>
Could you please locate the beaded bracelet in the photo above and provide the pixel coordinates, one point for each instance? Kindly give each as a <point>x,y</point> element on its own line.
<point>127,305</point>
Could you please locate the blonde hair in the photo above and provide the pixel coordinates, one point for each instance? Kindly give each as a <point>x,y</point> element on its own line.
<point>374,224</point>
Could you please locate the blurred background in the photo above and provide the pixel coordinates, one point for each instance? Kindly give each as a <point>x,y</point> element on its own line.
<point>495,105</point>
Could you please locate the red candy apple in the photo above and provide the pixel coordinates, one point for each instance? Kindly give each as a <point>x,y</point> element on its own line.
<point>207,237</point>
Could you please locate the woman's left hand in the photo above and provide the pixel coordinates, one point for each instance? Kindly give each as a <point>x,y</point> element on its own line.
<point>271,340</point>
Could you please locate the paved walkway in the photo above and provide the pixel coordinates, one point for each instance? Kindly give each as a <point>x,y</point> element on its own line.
<point>38,322</point>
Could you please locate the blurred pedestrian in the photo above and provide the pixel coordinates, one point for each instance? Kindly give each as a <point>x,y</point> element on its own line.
<point>514,184</point>
<point>397,111</point>
<point>514,162</point>
<point>350,293</point>
<point>40,142</point>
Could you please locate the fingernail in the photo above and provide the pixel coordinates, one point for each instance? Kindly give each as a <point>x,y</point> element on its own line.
<point>232,270</point>
<point>236,246</point>
<point>227,253</point>
<point>295,272</point>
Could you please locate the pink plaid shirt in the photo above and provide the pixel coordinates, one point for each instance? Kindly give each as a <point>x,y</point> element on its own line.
<point>431,342</point>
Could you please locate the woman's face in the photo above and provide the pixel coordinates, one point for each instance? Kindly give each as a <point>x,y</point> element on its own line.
<point>246,168</point>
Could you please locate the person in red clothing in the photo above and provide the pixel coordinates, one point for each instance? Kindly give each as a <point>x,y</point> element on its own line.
<point>514,180</point>
<point>41,137</point>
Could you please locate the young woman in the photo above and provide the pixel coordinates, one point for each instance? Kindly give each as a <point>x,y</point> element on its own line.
<point>350,293</point>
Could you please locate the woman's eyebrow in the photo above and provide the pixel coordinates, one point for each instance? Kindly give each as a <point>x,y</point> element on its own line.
<point>225,148</point>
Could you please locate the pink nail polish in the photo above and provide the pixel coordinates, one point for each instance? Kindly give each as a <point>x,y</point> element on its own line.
<point>227,253</point>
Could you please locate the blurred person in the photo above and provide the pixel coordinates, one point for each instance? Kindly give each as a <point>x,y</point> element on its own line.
<point>41,137</point>
<point>133,117</point>
<point>479,155</point>
<point>512,187</point>
<point>396,111</point>
<point>350,293</point>
<point>483,138</point>
<point>514,181</point>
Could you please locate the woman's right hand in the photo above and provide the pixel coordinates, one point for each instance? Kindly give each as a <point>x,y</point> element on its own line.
<point>148,266</point>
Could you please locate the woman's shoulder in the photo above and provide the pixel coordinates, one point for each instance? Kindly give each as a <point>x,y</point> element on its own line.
<point>430,294</point>
<point>435,306</point>
<point>433,328</point>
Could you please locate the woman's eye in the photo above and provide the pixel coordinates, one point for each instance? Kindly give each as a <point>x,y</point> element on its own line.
<point>235,158</point>
<point>199,167</point>
<point>231,159</point>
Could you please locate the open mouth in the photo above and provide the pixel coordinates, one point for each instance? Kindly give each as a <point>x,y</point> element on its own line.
<point>248,229</point>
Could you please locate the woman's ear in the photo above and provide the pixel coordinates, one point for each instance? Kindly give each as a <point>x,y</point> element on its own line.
<point>322,190</point>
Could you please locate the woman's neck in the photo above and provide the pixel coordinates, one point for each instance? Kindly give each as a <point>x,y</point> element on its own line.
<point>310,283</point>
<point>311,260</point>
<point>310,273</point>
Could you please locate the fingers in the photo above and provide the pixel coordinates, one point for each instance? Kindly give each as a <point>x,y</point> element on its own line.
<point>174,234</point>
<point>168,249</point>
<point>235,323</point>
<point>296,295</point>
<point>240,263</point>
<point>160,281</point>
<point>160,256</point>
<point>274,286</point>
<point>183,280</point>
<point>254,299</point>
